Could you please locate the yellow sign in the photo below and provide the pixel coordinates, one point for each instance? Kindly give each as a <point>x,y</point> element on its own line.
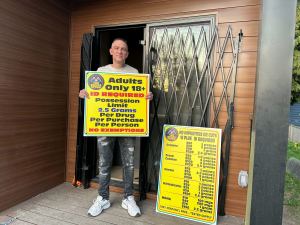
<point>189,173</point>
<point>117,104</point>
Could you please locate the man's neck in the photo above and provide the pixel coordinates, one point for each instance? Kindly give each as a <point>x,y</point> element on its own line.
<point>118,65</point>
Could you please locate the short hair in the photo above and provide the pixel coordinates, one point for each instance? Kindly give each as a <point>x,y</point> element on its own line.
<point>120,39</point>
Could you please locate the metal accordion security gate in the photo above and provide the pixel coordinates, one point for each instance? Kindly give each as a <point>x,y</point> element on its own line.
<point>193,75</point>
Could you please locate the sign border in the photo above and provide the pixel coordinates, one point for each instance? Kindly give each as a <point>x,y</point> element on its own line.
<point>145,134</point>
<point>219,131</point>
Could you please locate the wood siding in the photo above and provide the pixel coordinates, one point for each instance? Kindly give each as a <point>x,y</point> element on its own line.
<point>240,14</point>
<point>34,86</point>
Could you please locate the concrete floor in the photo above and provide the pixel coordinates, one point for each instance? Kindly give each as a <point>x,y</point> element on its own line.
<point>65,204</point>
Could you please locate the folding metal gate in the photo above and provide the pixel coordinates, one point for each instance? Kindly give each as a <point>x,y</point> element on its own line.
<point>193,75</point>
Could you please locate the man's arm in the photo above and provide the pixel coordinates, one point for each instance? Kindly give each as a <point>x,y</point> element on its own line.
<point>83,94</point>
<point>149,96</point>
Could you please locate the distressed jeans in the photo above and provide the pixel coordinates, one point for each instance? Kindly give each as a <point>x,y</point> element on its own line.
<point>105,149</point>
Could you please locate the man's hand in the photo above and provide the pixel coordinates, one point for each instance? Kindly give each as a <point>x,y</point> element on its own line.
<point>83,94</point>
<point>149,96</point>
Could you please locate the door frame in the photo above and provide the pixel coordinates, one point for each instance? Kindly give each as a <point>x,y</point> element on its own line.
<point>186,20</point>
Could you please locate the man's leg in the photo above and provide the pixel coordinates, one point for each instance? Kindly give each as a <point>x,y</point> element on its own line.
<point>127,154</point>
<point>105,150</point>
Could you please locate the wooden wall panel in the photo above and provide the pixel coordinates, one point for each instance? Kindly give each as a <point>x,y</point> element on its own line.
<point>244,75</point>
<point>249,44</point>
<point>239,14</point>
<point>34,85</point>
<point>249,28</point>
<point>244,105</point>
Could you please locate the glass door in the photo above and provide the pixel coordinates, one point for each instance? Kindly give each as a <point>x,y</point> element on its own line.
<point>176,58</point>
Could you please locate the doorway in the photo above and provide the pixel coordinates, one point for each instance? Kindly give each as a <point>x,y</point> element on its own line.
<point>104,36</point>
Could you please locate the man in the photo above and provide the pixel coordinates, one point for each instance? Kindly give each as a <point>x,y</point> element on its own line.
<point>119,53</point>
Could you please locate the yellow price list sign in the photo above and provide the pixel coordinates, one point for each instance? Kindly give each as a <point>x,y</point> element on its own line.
<point>189,173</point>
<point>117,104</point>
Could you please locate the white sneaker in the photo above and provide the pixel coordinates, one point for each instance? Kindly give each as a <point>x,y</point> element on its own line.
<point>98,205</point>
<point>130,204</point>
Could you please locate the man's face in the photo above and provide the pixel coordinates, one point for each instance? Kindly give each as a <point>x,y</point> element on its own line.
<point>119,51</point>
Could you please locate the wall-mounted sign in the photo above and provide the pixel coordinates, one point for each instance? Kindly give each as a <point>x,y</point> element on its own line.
<point>117,104</point>
<point>189,173</point>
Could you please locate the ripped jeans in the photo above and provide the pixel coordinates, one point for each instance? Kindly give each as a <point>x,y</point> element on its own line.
<point>105,149</point>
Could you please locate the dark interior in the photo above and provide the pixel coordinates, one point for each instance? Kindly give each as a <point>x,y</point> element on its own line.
<point>133,35</point>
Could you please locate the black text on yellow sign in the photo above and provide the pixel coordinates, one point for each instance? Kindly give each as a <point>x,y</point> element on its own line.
<point>189,173</point>
<point>117,104</point>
